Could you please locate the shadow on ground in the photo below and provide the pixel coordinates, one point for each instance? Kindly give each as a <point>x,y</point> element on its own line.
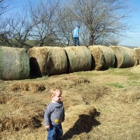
<point>84,124</point>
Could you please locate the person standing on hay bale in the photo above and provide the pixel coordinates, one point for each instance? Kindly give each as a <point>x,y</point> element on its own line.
<point>54,115</point>
<point>76,36</point>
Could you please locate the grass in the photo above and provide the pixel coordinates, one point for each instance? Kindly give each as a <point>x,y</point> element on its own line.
<point>117,85</point>
<point>134,76</point>
<point>124,72</point>
<point>87,73</point>
<point>120,71</point>
<point>133,83</point>
<point>114,93</point>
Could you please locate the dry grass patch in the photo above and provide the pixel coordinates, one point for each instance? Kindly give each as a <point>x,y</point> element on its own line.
<point>129,95</point>
<point>19,112</point>
<point>119,118</point>
<point>118,111</point>
<point>27,86</point>
<point>136,69</point>
<point>79,119</point>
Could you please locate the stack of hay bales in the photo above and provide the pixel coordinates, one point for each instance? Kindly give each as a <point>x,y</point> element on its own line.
<point>124,56</point>
<point>14,63</point>
<point>103,57</point>
<point>47,60</point>
<point>137,56</point>
<point>79,58</point>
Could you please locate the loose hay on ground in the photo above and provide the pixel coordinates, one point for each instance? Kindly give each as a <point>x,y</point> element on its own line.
<point>18,112</point>
<point>79,119</point>
<point>130,96</point>
<point>136,69</point>
<point>27,87</point>
<point>17,123</point>
<point>119,117</point>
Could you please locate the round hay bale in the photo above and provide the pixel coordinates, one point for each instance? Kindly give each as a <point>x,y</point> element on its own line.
<point>47,61</point>
<point>103,57</point>
<point>14,63</point>
<point>137,56</point>
<point>124,56</point>
<point>79,58</point>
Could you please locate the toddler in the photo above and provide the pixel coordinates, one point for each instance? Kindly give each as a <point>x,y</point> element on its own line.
<point>54,115</point>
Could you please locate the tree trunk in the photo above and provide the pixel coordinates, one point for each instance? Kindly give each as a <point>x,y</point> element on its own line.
<point>91,39</point>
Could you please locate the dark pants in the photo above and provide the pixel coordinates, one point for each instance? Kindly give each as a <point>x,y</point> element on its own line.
<point>55,132</point>
<point>76,41</point>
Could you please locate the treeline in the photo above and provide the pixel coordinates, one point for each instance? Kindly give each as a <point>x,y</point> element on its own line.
<point>50,23</point>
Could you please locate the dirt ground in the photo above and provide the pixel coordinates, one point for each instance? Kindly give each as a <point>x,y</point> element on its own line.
<point>99,105</point>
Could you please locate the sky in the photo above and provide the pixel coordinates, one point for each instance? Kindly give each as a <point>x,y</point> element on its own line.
<point>131,38</point>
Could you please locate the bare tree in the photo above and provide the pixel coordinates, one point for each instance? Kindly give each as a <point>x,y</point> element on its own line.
<point>4,8</point>
<point>4,5</point>
<point>43,17</point>
<point>64,27</point>
<point>17,30</point>
<point>102,19</point>
<point>51,23</point>
<point>35,26</point>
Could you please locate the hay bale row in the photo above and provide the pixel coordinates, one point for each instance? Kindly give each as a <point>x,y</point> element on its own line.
<point>14,63</point>
<point>103,57</point>
<point>124,56</point>
<point>79,58</point>
<point>56,60</point>
<point>137,56</point>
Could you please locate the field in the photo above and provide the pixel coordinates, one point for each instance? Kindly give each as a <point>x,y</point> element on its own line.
<point>112,96</point>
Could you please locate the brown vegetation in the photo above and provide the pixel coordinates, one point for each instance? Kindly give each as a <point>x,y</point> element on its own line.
<point>99,104</point>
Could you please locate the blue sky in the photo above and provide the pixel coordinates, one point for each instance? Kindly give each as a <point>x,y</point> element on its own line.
<point>131,38</point>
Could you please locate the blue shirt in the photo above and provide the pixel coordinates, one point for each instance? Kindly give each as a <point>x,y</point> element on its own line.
<point>76,32</point>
